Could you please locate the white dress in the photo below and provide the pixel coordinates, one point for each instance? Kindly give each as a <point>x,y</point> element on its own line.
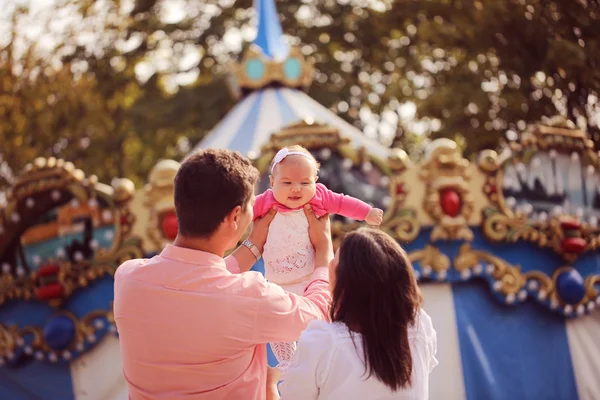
<point>289,258</point>
<point>328,366</point>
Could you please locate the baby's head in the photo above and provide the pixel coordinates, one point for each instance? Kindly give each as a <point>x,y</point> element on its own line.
<point>294,176</point>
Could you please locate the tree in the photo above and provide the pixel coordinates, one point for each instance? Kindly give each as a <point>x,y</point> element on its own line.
<point>149,84</point>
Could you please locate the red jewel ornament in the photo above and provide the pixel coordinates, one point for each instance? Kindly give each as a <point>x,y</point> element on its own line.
<point>51,291</point>
<point>170,225</point>
<point>450,202</point>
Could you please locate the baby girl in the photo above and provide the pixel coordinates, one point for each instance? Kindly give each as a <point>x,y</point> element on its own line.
<point>288,253</point>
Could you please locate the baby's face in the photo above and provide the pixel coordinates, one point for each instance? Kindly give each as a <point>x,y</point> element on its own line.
<point>294,181</point>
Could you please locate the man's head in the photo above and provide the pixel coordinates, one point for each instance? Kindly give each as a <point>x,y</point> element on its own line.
<point>214,194</point>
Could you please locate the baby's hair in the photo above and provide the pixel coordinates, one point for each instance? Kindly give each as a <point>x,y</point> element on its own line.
<point>300,149</point>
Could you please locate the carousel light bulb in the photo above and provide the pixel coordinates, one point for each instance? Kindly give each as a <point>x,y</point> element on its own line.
<point>543,216</point>
<point>553,153</point>
<point>55,195</point>
<point>325,153</point>
<point>568,309</point>
<point>367,167</point>
<point>347,164</point>
<point>29,202</point>
<point>14,217</point>
<point>497,286</point>
<point>590,170</point>
<point>20,271</point>
<point>533,285</point>
<point>6,268</point>
<point>542,295</point>
<point>384,181</point>
<point>591,305</point>
<point>510,298</point>
<point>522,295</point>
<point>574,157</point>
<point>580,309</point>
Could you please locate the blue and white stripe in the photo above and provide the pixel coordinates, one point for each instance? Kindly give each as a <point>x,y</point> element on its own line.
<point>250,124</point>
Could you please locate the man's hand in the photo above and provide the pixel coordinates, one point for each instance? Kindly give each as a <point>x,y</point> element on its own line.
<point>319,231</point>
<point>260,229</point>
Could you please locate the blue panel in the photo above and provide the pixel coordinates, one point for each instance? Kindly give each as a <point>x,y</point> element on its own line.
<point>288,115</point>
<point>244,138</point>
<point>260,267</point>
<point>511,352</point>
<point>36,381</point>
<point>269,35</point>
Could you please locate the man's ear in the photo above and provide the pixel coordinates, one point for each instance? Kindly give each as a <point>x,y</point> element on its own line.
<point>232,219</point>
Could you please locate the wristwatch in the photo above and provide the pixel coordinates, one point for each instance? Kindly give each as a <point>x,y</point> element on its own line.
<point>252,248</point>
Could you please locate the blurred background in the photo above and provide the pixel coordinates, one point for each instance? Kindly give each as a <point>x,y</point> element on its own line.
<point>116,85</point>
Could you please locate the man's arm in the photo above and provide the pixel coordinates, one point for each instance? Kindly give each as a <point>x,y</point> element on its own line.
<point>242,259</point>
<point>282,316</point>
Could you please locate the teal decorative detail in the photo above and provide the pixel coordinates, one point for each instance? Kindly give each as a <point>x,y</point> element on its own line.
<point>292,68</point>
<point>255,69</point>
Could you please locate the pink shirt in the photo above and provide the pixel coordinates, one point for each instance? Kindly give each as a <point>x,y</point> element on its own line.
<point>191,326</point>
<point>324,201</point>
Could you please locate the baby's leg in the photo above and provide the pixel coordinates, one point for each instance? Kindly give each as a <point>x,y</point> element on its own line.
<point>284,351</point>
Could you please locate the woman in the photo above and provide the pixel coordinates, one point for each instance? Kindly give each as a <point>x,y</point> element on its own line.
<point>380,344</point>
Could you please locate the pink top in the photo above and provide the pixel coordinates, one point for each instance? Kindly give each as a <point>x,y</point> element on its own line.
<point>325,201</point>
<point>191,326</point>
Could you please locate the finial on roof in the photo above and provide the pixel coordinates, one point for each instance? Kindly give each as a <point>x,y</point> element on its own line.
<point>269,35</point>
<point>269,60</point>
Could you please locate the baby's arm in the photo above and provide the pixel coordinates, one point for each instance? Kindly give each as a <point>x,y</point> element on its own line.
<point>259,206</point>
<point>348,206</point>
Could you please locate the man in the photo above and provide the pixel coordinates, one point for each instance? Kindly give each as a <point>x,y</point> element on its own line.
<point>191,325</point>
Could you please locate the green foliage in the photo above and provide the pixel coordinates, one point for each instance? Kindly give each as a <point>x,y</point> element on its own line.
<point>474,69</point>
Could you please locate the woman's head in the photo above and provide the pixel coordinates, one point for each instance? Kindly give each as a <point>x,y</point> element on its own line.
<point>294,176</point>
<point>375,293</point>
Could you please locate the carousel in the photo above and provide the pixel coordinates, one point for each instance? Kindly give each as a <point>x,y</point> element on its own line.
<point>506,247</point>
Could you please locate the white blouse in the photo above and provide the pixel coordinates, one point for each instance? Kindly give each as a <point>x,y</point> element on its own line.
<point>328,366</point>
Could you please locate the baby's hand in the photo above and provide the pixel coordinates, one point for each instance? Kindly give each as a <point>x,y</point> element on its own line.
<point>374,217</point>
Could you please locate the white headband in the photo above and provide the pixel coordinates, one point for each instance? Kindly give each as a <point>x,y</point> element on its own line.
<point>283,153</point>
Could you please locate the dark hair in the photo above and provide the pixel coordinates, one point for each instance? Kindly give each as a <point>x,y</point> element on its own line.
<point>209,184</point>
<point>376,295</point>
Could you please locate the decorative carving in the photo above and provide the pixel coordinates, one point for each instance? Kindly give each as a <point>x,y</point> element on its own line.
<point>541,203</point>
<point>575,298</point>
<point>61,230</point>
<point>256,71</point>
<point>431,260</point>
<point>447,199</point>
<point>162,226</point>
<point>78,334</point>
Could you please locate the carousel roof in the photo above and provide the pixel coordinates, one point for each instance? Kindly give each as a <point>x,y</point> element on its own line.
<point>251,122</point>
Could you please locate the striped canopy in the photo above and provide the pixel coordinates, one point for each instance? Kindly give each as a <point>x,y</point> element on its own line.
<point>250,124</point>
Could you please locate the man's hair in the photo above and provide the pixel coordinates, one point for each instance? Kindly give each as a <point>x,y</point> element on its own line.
<point>208,186</point>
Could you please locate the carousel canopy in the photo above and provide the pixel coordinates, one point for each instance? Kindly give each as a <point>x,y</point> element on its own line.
<point>251,122</point>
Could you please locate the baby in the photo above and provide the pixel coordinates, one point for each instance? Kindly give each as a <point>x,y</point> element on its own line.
<point>288,253</point>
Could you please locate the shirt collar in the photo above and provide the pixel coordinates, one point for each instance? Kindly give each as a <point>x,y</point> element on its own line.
<point>191,256</point>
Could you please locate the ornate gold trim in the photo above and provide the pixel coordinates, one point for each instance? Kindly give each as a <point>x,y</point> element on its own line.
<point>513,284</point>
<point>272,71</point>
<point>501,223</point>
<point>30,340</point>
<point>444,169</point>
<point>57,181</point>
